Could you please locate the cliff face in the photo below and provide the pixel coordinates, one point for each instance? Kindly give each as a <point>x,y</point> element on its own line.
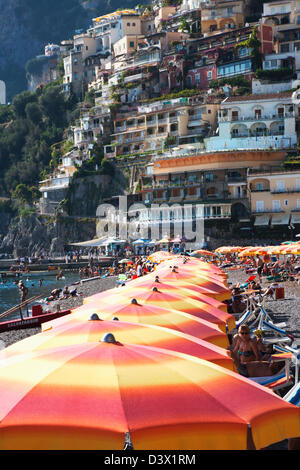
<point>32,235</point>
<point>26,26</point>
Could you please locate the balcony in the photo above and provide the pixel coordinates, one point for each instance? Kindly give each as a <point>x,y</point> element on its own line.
<point>268,211</point>
<point>265,117</point>
<point>285,191</point>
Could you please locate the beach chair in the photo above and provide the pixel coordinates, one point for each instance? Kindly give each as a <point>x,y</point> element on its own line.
<point>293,395</point>
<point>281,379</point>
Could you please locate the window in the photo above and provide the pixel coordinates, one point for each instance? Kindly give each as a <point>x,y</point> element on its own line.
<point>273,63</point>
<point>128,24</point>
<point>286,202</point>
<point>209,75</point>
<point>260,206</point>
<point>131,44</point>
<point>280,186</point>
<point>276,205</point>
<point>298,203</point>
<point>75,76</point>
<point>209,177</point>
<point>285,48</point>
<point>133,24</point>
<point>267,64</point>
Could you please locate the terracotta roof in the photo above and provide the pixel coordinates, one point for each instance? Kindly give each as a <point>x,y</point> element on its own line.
<point>269,96</point>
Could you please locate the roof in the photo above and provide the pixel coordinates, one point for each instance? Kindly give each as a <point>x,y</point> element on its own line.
<point>268,96</point>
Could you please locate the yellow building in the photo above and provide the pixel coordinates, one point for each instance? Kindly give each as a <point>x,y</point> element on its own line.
<point>274,197</point>
<point>216,180</point>
<point>222,15</point>
<point>180,121</point>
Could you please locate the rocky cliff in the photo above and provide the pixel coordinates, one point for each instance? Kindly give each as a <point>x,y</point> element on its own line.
<point>31,235</point>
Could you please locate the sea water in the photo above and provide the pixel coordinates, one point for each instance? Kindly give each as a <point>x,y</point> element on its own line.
<point>9,292</point>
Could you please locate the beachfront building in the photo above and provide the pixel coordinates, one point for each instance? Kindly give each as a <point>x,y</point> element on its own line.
<point>214,183</point>
<point>275,199</point>
<point>248,123</point>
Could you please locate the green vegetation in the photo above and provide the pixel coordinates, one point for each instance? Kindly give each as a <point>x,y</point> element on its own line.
<point>275,75</point>
<point>180,94</point>
<point>239,81</point>
<point>254,45</point>
<point>35,121</point>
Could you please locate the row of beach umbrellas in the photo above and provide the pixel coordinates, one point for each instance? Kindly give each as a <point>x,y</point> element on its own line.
<point>147,360</point>
<point>286,248</point>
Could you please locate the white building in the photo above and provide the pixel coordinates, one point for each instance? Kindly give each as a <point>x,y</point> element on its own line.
<point>257,122</point>
<point>108,29</point>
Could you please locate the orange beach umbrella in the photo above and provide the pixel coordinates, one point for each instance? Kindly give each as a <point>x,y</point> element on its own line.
<point>88,396</point>
<point>132,311</point>
<point>92,330</point>
<point>169,300</point>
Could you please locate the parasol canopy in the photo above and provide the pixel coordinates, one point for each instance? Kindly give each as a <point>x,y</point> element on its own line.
<point>88,396</point>
<point>91,330</point>
<point>132,311</point>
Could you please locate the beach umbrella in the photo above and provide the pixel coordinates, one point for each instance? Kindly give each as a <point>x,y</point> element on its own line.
<point>88,396</point>
<point>214,288</point>
<point>125,261</point>
<point>131,311</point>
<point>185,290</point>
<point>169,300</point>
<point>91,330</point>
<point>199,253</point>
<point>277,250</point>
<point>195,266</point>
<point>159,256</point>
<point>228,249</point>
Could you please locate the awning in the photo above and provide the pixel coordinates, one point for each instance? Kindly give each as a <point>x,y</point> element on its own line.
<point>280,219</point>
<point>261,220</point>
<point>95,242</point>
<point>295,218</point>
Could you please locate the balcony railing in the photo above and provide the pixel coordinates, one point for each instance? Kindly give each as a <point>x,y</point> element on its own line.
<point>265,117</point>
<point>287,191</point>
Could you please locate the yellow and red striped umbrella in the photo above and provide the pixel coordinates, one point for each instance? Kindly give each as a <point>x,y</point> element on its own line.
<point>213,288</point>
<point>148,314</point>
<point>196,267</point>
<point>88,396</point>
<point>228,249</point>
<point>159,256</point>
<point>71,333</point>
<point>199,253</point>
<point>169,300</point>
<point>184,290</point>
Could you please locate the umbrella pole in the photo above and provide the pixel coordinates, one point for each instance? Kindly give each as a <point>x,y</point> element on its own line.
<point>250,442</point>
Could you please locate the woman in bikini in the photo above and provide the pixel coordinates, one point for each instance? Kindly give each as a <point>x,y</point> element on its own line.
<point>245,349</point>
